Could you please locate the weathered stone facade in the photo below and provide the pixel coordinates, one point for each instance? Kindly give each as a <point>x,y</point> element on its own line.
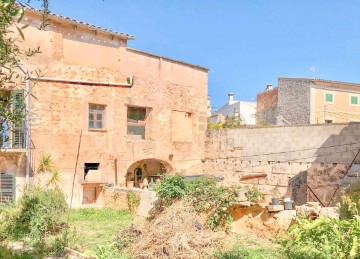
<point>267,107</point>
<point>294,100</point>
<point>173,93</point>
<point>291,157</point>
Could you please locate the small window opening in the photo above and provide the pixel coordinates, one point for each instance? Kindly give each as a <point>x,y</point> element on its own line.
<point>328,121</point>
<point>136,121</point>
<point>96,116</point>
<point>90,166</point>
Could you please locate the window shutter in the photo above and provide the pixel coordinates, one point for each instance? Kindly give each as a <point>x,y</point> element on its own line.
<point>18,129</point>
<point>7,187</point>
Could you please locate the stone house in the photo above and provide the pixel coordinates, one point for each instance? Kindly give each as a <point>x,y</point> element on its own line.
<point>106,113</point>
<point>309,101</point>
<point>245,111</point>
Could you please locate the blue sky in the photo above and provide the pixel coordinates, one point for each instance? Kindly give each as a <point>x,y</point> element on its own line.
<point>245,43</point>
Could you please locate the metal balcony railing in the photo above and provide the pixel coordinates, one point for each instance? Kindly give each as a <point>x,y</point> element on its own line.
<point>13,139</point>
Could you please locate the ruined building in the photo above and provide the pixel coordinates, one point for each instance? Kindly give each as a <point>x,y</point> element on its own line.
<point>105,112</point>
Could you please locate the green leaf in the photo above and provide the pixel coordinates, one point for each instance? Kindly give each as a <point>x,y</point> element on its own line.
<point>21,33</point>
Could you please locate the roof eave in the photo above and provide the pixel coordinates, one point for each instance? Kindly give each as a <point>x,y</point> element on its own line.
<point>80,23</point>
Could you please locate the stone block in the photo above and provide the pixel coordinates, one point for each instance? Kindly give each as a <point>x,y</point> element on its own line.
<point>331,212</point>
<point>275,208</point>
<point>280,168</point>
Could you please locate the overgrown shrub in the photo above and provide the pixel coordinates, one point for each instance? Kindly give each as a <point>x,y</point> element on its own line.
<point>204,194</point>
<point>35,217</point>
<point>170,189</point>
<point>324,238</point>
<point>350,202</point>
<point>253,193</point>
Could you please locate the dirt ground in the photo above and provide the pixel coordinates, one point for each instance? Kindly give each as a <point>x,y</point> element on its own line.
<point>255,220</point>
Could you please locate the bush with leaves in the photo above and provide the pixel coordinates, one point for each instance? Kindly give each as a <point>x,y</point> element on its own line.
<point>204,194</point>
<point>35,218</point>
<point>324,238</point>
<point>170,189</point>
<point>253,193</point>
<point>350,202</point>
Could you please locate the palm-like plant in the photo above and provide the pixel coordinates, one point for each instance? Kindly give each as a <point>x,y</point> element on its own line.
<point>46,164</point>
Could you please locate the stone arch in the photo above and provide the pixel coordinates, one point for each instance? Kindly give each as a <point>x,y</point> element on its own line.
<point>147,168</point>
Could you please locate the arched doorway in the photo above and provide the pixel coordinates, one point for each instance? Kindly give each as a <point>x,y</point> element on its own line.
<point>151,169</point>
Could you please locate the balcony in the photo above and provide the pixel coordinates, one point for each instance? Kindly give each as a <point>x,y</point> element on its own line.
<point>12,139</point>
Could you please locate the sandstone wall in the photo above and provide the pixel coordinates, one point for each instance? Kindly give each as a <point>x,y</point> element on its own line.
<point>172,91</point>
<point>322,152</point>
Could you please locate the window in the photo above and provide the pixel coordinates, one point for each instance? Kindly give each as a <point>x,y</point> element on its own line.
<point>136,120</point>
<point>354,100</point>
<point>12,131</point>
<point>329,97</point>
<point>96,116</point>
<point>328,121</point>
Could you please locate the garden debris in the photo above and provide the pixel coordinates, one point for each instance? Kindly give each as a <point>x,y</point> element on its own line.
<point>177,232</point>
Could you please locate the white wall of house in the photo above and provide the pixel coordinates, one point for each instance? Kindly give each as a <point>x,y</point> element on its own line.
<point>246,110</point>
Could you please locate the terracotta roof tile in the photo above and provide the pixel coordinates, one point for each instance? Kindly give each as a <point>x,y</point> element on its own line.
<point>81,23</point>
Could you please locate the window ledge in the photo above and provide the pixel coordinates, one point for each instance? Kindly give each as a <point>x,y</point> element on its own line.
<point>97,130</point>
<point>134,137</point>
<point>13,150</point>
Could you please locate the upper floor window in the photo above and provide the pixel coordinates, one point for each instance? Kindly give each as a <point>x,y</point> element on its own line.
<point>354,99</point>
<point>136,120</point>
<point>96,116</point>
<point>329,98</point>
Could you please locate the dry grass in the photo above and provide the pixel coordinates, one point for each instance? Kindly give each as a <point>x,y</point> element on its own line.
<point>177,232</point>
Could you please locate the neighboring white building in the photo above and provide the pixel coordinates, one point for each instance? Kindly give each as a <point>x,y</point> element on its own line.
<point>245,110</point>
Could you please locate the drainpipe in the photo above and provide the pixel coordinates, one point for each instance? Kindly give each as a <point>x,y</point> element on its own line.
<point>27,124</point>
<point>129,84</point>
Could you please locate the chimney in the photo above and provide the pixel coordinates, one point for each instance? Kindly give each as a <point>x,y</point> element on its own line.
<point>231,98</point>
<point>269,87</point>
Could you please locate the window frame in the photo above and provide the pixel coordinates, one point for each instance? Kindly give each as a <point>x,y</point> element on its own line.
<point>97,107</point>
<point>137,122</point>
<point>333,98</point>
<point>350,99</point>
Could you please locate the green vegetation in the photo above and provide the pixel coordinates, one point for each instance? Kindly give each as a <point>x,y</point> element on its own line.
<point>328,237</point>
<point>350,202</point>
<point>35,220</point>
<point>133,201</point>
<point>247,247</point>
<point>7,254</point>
<point>230,122</point>
<point>96,230</point>
<point>253,193</point>
<point>204,194</point>
<point>324,238</point>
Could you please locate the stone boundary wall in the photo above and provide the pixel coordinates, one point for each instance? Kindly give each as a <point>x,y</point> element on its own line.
<point>319,153</point>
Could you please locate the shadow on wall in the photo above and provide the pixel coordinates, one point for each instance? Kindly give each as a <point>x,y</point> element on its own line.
<point>321,182</point>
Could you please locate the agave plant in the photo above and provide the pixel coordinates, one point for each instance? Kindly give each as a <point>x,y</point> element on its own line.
<point>46,164</point>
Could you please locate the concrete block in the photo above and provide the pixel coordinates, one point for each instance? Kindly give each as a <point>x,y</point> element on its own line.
<point>275,208</point>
